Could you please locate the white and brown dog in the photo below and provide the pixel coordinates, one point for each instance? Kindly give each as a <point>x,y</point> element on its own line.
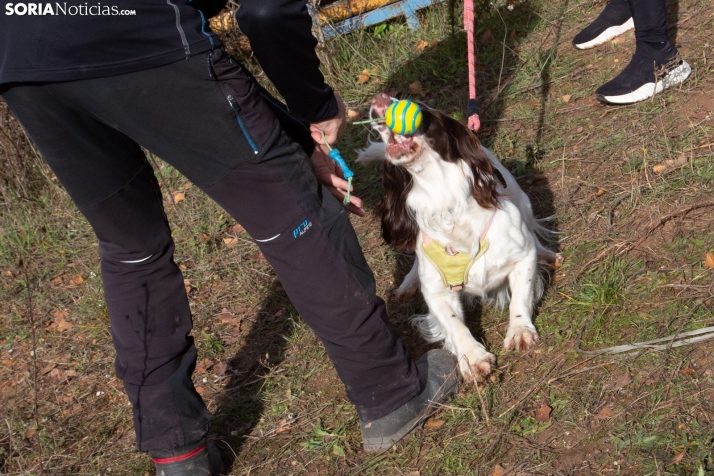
<point>472,227</point>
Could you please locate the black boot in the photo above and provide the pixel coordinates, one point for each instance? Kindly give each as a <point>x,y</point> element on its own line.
<point>202,459</point>
<point>614,20</point>
<point>439,381</point>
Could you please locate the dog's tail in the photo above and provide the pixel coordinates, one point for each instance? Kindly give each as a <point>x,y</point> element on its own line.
<point>376,152</point>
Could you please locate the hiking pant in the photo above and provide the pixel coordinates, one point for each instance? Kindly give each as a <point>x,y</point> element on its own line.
<point>208,118</point>
<point>649,17</point>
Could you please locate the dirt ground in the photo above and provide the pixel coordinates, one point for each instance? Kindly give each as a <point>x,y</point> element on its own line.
<point>630,192</point>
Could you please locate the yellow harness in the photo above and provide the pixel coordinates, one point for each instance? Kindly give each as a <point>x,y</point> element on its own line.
<point>453,266</point>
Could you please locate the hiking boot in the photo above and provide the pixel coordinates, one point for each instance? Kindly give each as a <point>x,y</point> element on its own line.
<point>651,70</point>
<point>439,381</point>
<point>614,20</point>
<point>202,459</point>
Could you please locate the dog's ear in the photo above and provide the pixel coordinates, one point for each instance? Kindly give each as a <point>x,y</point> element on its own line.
<point>399,228</point>
<point>453,141</point>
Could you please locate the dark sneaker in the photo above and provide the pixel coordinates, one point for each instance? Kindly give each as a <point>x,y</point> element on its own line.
<point>650,71</point>
<point>614,20</point>
<point>201,460</point>
<point>439,381</point>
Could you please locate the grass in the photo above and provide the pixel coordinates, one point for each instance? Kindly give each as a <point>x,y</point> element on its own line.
<point>278,404</point>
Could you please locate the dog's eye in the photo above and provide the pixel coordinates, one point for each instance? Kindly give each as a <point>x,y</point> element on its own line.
<point>500,178</point>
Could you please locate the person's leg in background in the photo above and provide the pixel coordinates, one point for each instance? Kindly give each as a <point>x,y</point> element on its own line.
<point>655,65</point>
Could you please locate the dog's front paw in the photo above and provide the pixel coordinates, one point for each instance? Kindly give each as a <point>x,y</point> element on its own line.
<point>476,365</point>
<point>520,338</point>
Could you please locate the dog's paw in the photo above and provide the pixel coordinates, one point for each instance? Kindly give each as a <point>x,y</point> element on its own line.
<point>476,366</point>
<point>520,338</point>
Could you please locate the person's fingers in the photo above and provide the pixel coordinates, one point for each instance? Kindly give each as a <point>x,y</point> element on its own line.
<point>355,204</point>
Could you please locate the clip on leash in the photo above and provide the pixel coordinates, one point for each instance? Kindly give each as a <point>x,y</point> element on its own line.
<point>335,155</point>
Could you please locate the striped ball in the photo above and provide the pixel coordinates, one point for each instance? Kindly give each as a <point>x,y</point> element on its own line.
<point>403,117</point>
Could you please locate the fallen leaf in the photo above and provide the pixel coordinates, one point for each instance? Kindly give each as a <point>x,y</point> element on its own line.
<point>600,193</point>
<point>235,229</point>
<point>486,38</point>
<point>517,126</point>
<point>200,390</point>
<point>77,280</point>
<point>688,371</point>
<point>56,281</point>
<point>542,415</point>
<point>422,45</point>
<point>415,88</point>
<point>373,70</point>
<point>498,470</point>
<point>363,77</point>
<point>283,426</point>
<point>559,278</point>
<point>659,168</point>
<point>230,242</point>
<point>177,196</point>
<point>187,185</point>
<point>57,375</point>
<point>352,115</point>
<point>606,412</point>
<point>48,368</point>
<point>677,459</point>
<point>9,273</point>
<point>434,424</point>
<point>709,260</point>
<point>30,433</point>
<point>204,365</point>
<point>187,285</point>
<point>566,98</point>
<point>617,60</point>
<point>512,34</point>
<point>594,102</point>
<point>619,382</point>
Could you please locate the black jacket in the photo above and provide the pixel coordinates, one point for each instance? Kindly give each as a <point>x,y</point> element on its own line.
<point>82,39</point>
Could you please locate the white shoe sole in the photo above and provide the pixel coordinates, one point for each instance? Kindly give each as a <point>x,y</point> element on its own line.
<point>677,76</point>
<point>607,35</point>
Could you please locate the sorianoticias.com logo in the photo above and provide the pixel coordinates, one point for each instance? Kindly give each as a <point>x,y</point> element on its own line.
<point>61,8</point>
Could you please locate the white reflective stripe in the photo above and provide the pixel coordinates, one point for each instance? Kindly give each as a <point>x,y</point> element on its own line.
<point>137,261</point>
<point>269,239</point>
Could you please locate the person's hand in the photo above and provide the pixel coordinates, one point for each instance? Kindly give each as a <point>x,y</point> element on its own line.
<point>327,171</point>
<point>329,174</point>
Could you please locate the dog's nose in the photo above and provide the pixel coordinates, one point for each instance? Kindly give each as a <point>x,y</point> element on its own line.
<point>380,103</point>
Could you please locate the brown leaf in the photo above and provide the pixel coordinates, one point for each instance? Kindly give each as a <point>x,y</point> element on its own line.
<point>177,196</point>
<point>600,193</point>
<point>422,45</point>
<point>77,280</point>
<point>187,285</point>
<point>542,415</point>
<point>363,77</point>
<point>204,365</point>
<point>434,424</point>
<point>57,375</point>
<point>517,126</point>
<point>187,185</point>
<point>48,368</point>
<point>56,281</point>
<point>566,98</point>
<point>235,229</point>
<point>30,433</point>
<point>606,412</point>
<point>283,426</point>
<point>415,88</point>
<point>677,459</point>
<point>709,260</point>
<point>498,470</point>
<point>352,115</point>
<point>230,242</point>
<point>659,168</point>
<point>200,390</point>
<point>512,34</point>
<point>619,382</point>
<point>486,38</point>
<point>688,371</point>
<point>222,368</point>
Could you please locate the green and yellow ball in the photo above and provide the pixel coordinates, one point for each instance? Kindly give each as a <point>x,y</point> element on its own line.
<point>403,117</point>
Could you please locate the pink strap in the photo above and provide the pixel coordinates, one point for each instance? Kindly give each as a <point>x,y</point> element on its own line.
<point>474,123</point>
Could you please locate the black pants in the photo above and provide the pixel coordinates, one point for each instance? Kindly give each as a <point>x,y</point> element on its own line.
<point>650,19</point>
<point>207,117</point>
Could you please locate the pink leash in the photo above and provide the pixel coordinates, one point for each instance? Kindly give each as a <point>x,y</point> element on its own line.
<point>474,123</point>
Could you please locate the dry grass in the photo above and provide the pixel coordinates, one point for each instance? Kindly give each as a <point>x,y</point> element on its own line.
<point>634,242</point>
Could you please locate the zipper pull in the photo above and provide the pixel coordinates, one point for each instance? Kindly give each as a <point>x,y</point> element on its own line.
<point>233,103</point>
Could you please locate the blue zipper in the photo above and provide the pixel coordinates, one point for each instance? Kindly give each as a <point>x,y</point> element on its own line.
<point>241,124</point>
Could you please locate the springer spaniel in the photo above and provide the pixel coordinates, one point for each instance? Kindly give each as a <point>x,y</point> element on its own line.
<point>472,227</point>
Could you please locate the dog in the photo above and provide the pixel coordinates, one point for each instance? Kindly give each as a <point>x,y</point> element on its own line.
<point>472,227</point>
